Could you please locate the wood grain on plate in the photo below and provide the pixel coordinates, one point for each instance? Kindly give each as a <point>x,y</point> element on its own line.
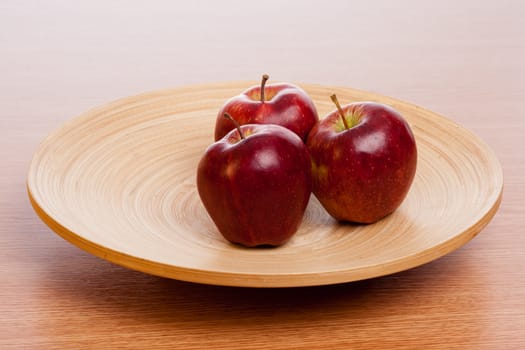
<point>119,182</point>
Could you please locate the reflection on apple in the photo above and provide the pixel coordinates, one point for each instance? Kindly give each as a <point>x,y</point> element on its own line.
<point>363,161</point>
<point>255,183</point>
<point>281,103</point>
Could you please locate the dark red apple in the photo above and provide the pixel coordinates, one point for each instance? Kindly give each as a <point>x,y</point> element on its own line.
<point>364,160</point>
<point>282,104</point>
<point>255,184</point>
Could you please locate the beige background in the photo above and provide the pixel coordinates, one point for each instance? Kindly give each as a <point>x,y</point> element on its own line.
<point>461,59</point>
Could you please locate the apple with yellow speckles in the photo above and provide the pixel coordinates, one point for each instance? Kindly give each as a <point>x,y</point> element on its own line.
<point>364,159</point>
<point>255,184</point>
<point>280,103</point>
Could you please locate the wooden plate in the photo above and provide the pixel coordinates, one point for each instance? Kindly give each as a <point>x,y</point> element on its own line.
<point>119,182</point>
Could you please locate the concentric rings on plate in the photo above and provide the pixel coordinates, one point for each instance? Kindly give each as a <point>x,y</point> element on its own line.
<point>119,182</point>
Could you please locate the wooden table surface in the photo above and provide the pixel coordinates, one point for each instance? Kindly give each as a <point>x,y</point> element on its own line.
<point>464,60</point>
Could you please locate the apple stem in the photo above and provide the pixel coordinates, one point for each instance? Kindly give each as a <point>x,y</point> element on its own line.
<point>236,123</point>
<point>340,110</point>
<point>265,77</point>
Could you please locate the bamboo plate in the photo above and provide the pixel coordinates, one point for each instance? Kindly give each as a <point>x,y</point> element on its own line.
<point>119,182</point>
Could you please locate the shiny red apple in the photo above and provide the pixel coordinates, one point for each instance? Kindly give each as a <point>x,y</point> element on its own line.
<point>255,184</point>
<point>364,160</point>
<point>282,104</point>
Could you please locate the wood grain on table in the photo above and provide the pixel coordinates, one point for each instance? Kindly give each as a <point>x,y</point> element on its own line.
<point>463,60</point>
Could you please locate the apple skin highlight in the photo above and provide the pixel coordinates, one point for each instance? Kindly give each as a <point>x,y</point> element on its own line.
<point>256,188</point>
<point>362,173</point>
<point>282,104</point>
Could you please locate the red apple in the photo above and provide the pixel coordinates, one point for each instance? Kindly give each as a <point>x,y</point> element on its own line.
<point>282,104</point>
<point>255,184</point>
<point>363,161</point>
